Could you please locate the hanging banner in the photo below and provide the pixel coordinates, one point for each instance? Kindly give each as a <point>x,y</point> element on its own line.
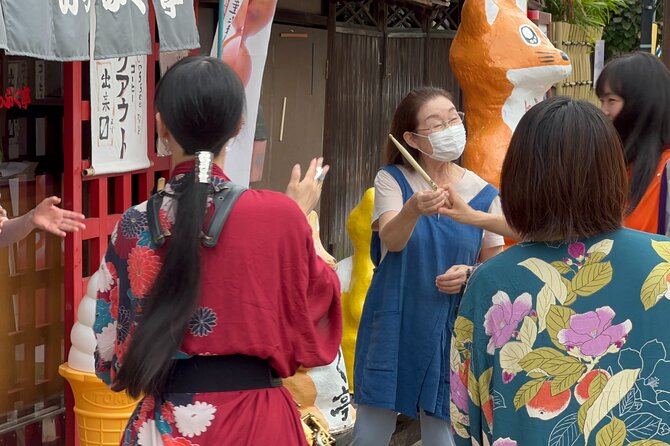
<point>119,115</point>
<point>121,28</point>
<point>3,30</point>
<point>52,30</point>
<point>176,25</point>
<point>247,25</point>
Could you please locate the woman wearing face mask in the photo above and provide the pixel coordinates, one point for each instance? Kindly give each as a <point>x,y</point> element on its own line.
<point>402,350</point>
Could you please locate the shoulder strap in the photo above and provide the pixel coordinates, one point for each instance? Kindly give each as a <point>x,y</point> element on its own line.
<point>224,200</point>
<point>397,174</point>
<point>153,219</point>
<point>482,201</point>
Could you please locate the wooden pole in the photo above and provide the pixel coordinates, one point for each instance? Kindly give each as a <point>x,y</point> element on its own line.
<point>666,33</point>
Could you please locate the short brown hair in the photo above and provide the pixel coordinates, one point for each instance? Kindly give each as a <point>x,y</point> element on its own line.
<point>564,176</point>
<point>405,120</point>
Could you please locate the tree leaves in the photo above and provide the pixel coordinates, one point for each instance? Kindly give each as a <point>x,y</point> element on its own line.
<point>655,285</point>
<point>537,358</point>
<point>613,434</point>
<point>597,385</point>
<point>562,383</point>
<point>528,332</point>
<point>603,246</point>
<point>527,392</point>
<point>463,329</point>
<point>485,385</point>
<point>511,354</point>
<point>613,392</point>
<point>648,443</point>
<point>565,433</point>
<point>545,299</point>
<point>547,274</point>
<point>662,249</point>
<point>558,318</point>
<point>643,425</point>
<point>561,267</point>
<point>473,389</point>
<point>592,278</point>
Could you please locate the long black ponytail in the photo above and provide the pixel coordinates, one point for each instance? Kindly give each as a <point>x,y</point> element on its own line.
<point>200,101</point>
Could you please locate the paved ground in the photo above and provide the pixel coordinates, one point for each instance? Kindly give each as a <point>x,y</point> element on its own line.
<point>407,434</point>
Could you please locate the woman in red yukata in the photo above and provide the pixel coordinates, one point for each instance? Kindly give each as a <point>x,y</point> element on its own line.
<point>201,311</point>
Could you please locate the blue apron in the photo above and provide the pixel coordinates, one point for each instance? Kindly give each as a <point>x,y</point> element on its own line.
<point>402,347</point>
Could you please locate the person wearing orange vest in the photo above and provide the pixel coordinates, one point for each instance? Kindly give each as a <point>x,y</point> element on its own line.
<point>634,90</point>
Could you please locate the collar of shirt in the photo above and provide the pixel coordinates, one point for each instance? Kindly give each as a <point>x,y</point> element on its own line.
<point>188,166</point>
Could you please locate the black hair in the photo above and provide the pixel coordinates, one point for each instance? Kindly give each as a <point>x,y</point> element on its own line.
<point>643,82</point>
<point>200,101</point>
<point>564,156</point>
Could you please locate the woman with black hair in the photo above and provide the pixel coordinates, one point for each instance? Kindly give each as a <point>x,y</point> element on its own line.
<point>634,91</point>
<point>202,311</point>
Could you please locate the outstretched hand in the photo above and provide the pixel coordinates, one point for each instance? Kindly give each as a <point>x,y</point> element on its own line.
<point>308,191</point>
<point>47,216</point>
<point>455,207</point>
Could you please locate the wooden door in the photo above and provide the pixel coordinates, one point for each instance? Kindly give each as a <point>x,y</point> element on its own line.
<point>292,103</point>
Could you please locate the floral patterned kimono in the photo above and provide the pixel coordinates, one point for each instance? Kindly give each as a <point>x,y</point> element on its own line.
<point>563,345</point>
<point>264,293</point>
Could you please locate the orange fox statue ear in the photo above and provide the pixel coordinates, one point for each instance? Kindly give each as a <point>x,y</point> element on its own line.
<point>504,65</point>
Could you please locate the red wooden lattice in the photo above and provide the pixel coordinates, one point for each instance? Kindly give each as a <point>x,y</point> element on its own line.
<point>102,198</point>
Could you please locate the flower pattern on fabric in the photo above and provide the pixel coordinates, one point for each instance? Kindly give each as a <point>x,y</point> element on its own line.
<point>503,318</point>
<point>148,434</point>
<point>166,224</point>
<point>459,392</point>
<point>202,322</point>
<point>108,277</point>
<point>592,333</point>
<point>133,223</point>
<point>124,323</point>
<point>106,340</point>
<point>143,268</point>
<point>178,441</point>
<point>504,442</point>
<point>554,359</point>
<point>194,419</point>
<point>653,383</point>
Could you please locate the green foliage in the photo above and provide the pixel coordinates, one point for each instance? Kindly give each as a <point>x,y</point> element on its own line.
<point>596,13</point>
<point>622,34</point>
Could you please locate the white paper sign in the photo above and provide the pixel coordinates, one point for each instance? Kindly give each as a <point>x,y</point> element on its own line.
<point>598,60</point>
<point>119,115</point>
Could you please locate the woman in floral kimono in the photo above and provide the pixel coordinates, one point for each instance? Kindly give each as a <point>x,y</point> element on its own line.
<point>205,327</point>
<point>562,339</point>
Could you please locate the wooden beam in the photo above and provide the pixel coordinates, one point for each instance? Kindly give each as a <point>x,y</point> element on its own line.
<point>297,18</point>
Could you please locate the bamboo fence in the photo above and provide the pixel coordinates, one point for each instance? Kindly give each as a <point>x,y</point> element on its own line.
<point>578,43</point>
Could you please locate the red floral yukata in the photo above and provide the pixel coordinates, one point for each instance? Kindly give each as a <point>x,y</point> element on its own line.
<point>265,293</point>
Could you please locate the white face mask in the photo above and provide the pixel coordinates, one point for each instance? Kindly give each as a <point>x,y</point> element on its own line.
<point>448,144</point>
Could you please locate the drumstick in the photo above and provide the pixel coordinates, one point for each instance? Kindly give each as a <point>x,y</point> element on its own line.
<point>413,162</point>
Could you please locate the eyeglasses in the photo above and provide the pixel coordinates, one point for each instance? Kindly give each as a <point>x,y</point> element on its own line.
<point>442,125</point>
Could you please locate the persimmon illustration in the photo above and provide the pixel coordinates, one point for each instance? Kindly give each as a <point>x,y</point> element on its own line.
<point>546,406</point>
<point>236,54</point>
<point>259,13</point>
<point>582,389</point>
